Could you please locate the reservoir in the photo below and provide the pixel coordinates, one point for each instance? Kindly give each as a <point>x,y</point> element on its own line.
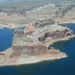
<point>65,66</point>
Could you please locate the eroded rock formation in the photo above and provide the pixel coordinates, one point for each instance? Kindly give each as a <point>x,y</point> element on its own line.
<point>37,37</point>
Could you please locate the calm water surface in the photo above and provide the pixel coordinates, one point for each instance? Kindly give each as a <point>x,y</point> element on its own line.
<point>64,66</point>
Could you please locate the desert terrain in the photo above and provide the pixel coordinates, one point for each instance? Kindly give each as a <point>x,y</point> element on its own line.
<point>41,21</point>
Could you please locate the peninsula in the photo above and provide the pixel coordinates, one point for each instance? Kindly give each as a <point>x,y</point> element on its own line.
<point>31,44</point>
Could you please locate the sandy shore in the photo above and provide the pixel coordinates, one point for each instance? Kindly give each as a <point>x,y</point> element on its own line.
<point>67,22</point>
<point>6,26</point>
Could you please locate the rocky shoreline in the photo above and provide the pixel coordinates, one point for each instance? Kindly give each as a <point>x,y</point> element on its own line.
<point>55,54</point>
<point>32,59</point>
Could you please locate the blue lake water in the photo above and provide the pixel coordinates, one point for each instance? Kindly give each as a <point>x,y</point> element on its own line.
<point>5,38</point>
<point>65,66</point>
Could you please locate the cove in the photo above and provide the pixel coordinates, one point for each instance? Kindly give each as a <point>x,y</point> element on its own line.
<point>6,37</point>
<point>65,66</point>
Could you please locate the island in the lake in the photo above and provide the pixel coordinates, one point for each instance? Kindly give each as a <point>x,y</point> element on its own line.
<point>32,44</point>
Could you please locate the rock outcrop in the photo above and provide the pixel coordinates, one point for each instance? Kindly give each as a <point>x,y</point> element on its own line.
<point>44,22</point>
<point>29,29</point>
<point>32,49</point>
<point>36,38</point>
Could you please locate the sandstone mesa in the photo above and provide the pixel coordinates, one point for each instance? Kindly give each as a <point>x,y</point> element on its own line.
<point>31,44</point>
